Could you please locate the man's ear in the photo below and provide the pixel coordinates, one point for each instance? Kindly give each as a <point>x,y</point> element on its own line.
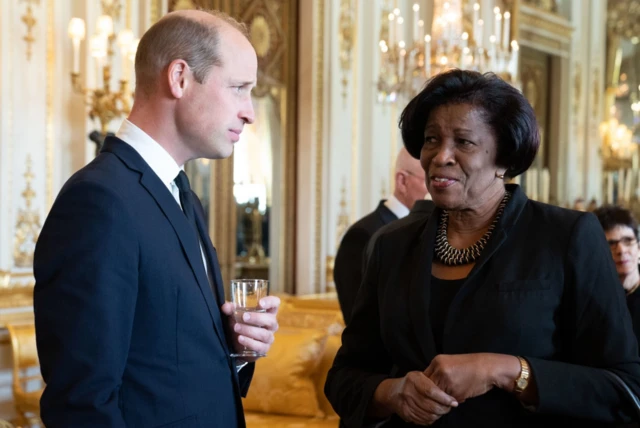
<point>179,76</point>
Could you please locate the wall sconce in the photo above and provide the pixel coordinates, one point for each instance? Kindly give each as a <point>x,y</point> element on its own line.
<point>105,104</point>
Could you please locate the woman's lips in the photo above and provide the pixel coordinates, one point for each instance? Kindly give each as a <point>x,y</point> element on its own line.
<point>441,182</point>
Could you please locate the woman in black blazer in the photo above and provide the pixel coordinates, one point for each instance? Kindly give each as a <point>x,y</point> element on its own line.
<point>621,230</point>
<point>496,310</point>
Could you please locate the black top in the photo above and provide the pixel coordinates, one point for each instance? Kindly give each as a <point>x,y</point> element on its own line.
<point>633,303</point>
<point>545,287</point>
<point>442,293</point>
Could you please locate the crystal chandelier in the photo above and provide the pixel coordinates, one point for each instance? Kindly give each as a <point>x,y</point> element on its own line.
<point>411,52</point>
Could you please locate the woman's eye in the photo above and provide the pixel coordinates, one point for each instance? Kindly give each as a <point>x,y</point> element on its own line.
<point>430,140</point>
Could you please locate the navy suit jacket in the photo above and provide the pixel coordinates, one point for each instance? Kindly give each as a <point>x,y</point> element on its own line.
<point>350,258</point>
<point>128,328</point>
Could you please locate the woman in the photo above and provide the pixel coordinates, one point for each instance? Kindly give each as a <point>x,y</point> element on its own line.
<point>621,231</point>
<point>496,310</point>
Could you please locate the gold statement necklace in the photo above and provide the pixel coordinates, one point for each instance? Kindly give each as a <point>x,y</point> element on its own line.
<point>450,256</point>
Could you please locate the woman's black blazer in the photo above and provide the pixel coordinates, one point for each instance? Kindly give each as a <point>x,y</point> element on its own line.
<point>544,288</point>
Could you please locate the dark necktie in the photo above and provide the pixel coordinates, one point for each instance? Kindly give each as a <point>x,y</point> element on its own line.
<point>186,200</point>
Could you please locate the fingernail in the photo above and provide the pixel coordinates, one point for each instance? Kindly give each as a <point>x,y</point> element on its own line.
<point>236,327</point>
<point>261,302</point>
<point>454,403</point>
<point>241,339</point>
<point>246,316</point>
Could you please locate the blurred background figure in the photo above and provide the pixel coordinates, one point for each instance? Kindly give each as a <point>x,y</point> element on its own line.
<point>410,186</point>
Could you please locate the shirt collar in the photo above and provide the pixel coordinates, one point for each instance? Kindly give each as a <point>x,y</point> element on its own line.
<point>158,159</point>
<point>396,207</point>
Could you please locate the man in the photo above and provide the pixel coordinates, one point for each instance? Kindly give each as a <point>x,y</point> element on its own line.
<point>410,186</point>
<point>421,209</point>
<point>131,324</point>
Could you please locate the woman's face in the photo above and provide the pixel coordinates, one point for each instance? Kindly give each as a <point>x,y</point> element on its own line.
<point>459,158</point>
<point>624,248</point>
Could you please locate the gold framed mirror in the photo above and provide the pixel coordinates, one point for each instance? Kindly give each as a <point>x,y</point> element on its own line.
<point>250,198</point>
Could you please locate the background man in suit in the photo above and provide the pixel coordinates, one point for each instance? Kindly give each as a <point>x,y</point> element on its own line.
<point>131,322</point>
<point>410,186</point>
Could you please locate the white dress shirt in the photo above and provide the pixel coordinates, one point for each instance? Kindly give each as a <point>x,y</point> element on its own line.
<point>159,160</point>
<point>396,207</point>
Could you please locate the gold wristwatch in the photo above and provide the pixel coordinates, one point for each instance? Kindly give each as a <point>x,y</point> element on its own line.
<point>523,380</point>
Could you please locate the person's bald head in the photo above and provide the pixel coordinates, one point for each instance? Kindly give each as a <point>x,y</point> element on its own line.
<point>191,35</point>
<point>410,184</point>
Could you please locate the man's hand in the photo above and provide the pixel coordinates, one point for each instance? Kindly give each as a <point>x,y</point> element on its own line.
<point>255,331</point>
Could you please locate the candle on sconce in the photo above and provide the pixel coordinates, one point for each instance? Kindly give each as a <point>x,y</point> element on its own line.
<point>427,54</point>
<point>479,41</point>
<point>392,30</point>
<point>506,33</point>
<point>416,19</point>
<point>77,33</point>
<point>498,31</point>
<point>476,17</point>
<point>513,61</point>
<point>492,53</point>
<point>399,31</point>
<point>420,31</point>
<point>403,54</point>
<point>125,38</point>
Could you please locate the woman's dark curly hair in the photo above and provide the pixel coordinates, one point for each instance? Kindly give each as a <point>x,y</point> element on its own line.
<point>611,216</point>
<point>504,108</point>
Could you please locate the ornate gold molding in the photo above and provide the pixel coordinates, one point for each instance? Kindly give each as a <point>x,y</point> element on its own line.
<point>623,18</point>
<point>577,90</point>
<point>355,111</point>
<point>546,30</point>
<point>155,12</point>
<point>16,290</point>
<point>549,6</point>
<point>27,225</point>
<point>51,62</point>
<point>343,216</point>
<point>347,34</point>
<point>30,21</point>
<point>318,119</point>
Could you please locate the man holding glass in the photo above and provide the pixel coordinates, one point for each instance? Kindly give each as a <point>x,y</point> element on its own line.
<point>132,326</point>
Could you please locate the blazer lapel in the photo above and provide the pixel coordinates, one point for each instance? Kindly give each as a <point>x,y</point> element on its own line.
<point>419,289</point>
<point>509,217</point>
<point>176,217</point>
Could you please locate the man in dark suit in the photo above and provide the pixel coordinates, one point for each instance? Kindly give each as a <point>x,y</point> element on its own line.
<point>410,186</point>
<point>132,326</point>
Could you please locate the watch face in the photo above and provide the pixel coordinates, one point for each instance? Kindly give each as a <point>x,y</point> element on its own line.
<point>522,383</point>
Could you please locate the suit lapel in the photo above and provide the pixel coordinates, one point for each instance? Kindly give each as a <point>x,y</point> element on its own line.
<point>419,289</point>
<point>184,231</point>
<point>386,215</point>
<point>214,267</point>
<point>509,217</point>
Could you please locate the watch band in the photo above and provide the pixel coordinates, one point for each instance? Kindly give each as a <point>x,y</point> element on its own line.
<point>522,381</point>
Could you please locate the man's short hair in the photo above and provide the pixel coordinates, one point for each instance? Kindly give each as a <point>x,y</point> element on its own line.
<point>178,37</point>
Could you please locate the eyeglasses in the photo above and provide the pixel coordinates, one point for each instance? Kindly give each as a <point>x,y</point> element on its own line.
<point>626,242</point>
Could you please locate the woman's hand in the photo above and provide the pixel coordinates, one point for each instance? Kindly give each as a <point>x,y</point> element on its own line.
<point>415,398</point>
<point>470,375</point>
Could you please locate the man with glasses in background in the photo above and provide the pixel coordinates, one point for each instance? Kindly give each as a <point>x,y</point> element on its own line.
<point>410,186</point>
